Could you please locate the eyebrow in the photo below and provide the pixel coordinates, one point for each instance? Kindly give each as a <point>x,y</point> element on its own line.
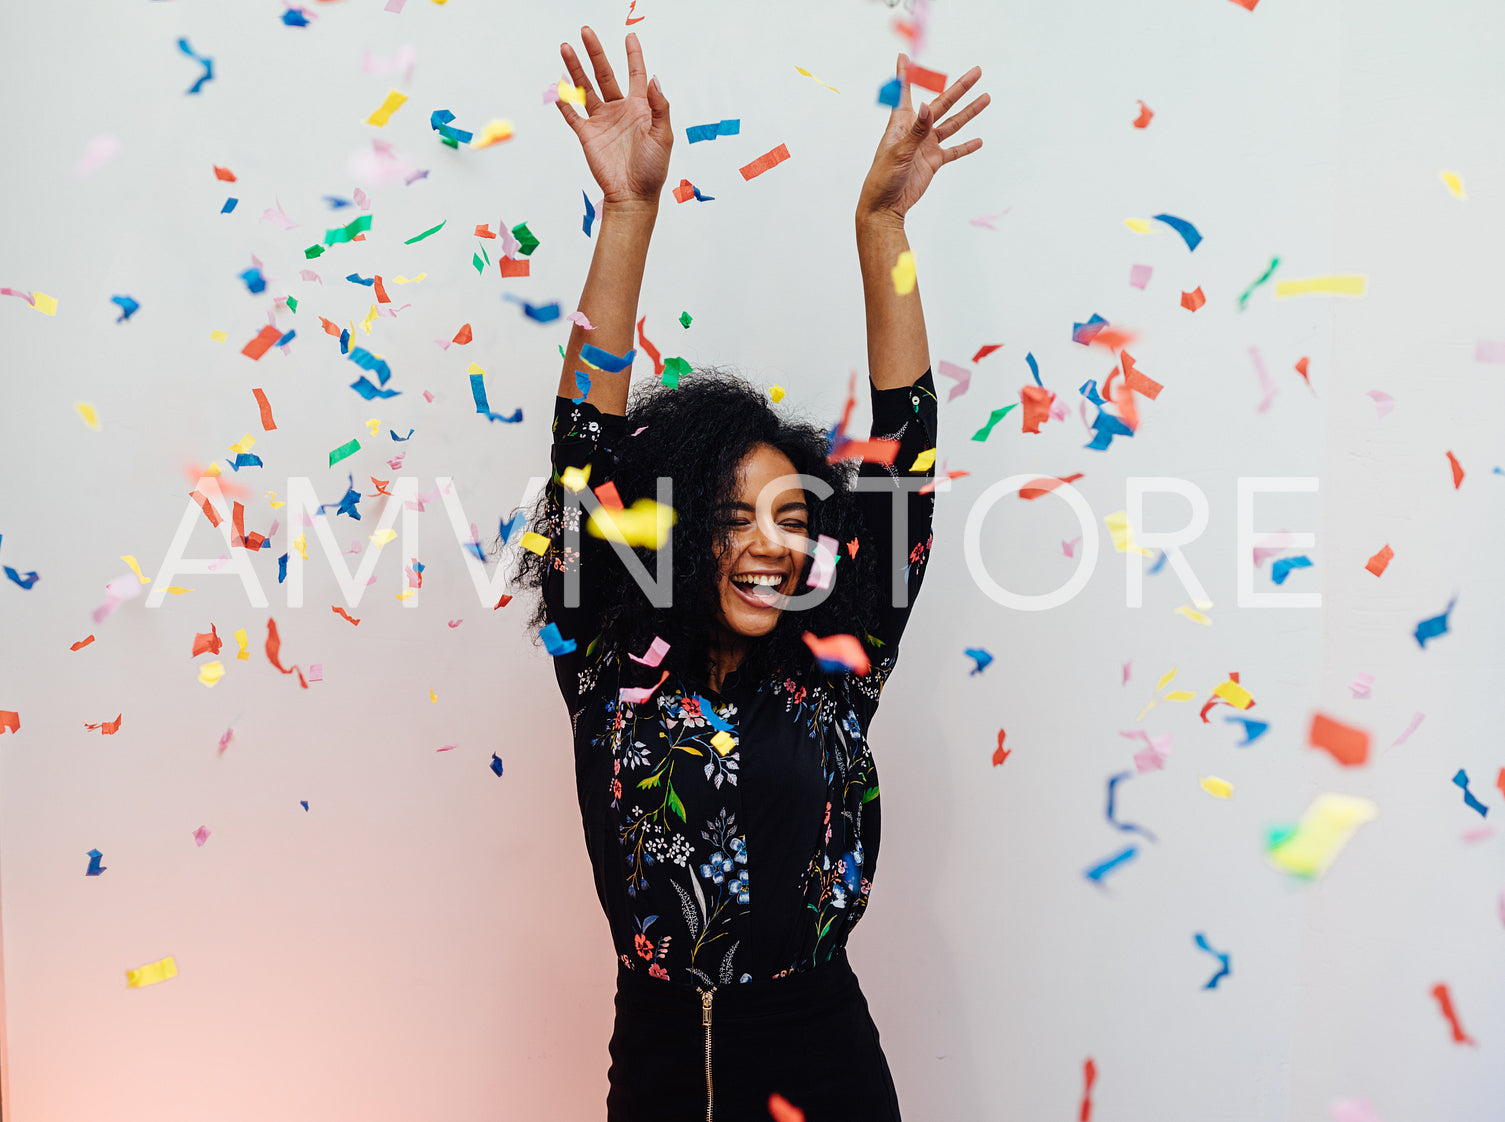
<point>793,504</point>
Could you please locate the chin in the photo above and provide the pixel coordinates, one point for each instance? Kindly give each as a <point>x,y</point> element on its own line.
<point>750,628</point>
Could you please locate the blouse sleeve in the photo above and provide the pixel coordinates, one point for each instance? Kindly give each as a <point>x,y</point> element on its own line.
<point>896,515</point>
<point>584,437</point>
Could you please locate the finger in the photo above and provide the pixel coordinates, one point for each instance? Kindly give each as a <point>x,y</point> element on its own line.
<point>637,75</point>
<point>658,105</point>
<point>961,116</point>
<point>577,75</point>
<point>571,118</point>
<point>958,151</point>
<point>952,93</point>
<point>602,65</point>
<point>903,71</point>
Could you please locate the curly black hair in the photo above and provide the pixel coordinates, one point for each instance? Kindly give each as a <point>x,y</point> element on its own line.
<point>698,434</point>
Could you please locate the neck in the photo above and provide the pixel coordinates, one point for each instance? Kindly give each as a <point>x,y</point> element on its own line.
<point>726,655</point>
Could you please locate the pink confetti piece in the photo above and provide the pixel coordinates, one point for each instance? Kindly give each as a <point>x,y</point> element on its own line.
<point>510,245</point>
<point>579,317</point>
<point>427,396</point>
<point>117,592</point>
<point>1478,833</point>
<point>1502,905</point>
<point>98,152</point>
<point>551,94</point>
<point>395,463</point>
<point>382,165</point>
<point>986,221</point>
<point>643,693</point>
<point>1360,686</point>
<point>455,622</point>
<point>1267,383</point>
<point>200,836</point>
<point>1127,667</point>
<point>310,275</point>
<point>653,655</point>
<point>403,61</point>
<point>316,672</point>
<point>361,200</point>
<point>1412,727</point>
<point>823,566</point>
<point>1353,1110</point>
<point>17,292</point>
<point>1270,545</point>
<point>1489,350</point>
<point>958,374</point>
<point>444,344</point>
<point>1059,411</point>
<point>1156,750</point>
<point>1068,549</point>
<point>219,563</point>
<point>395,6</point>
<point>1383,402</point>
<point>1139,276</point>
<point>447,748</point>
<point>278,216</point>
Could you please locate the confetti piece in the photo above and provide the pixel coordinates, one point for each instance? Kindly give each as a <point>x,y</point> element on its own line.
<point>87,412</point>
<point>553,642</point>
<point>1435,626</point>
<point>1139,276</point>
<point>697,133</point>
<point>1036,407</point>
<point>1187,231</point>
<point>646,523</point>
<point>781,1109</point>
<point>267,424</point>
<point>1457,471</point>
<point>1103,868</point>
<point>230,205</point>
<point>1445,1001</point>
<point>346,616</point>
<point>262,343</point>
<point>1415,724</point>
<point>1309,848</point>
<point>980,659</point>
<point>80,645</point>
<point>605,360</point>
<point>1380,561</point>
<point>1001,753</point>
<point>1127,827</point>
<point>903,273</point>
<point>1253,729</point>
<point>1281,568</point>
<point>427,233</point>
<point>1489,350</point>
<point>1453,183</point>
<point>1347,284</point>
<point>653,655</point>
<point>207,63</point>
<point>932,80</point>
<point>1193,300</point>
<point>1224,969</point>
<point>10,721</point>
<point>1347,744</point>
<point>1461,781</point>
<point>1383,402</point>
<point>1089,1076</point>
<point>1217,788</point>
<point>493,132</point>
<point>1145,114</point>
<point>1361,686</point>
<point>349,448</point>
<point>764,162</point>
<point>211,672</point>
<point>836,654</point>
<point>993,419</point>
<point>43,303</point>
<point>1123,536</point>
<point>641,694</point>
<point>207,641</point>
<point>526,242</point>
<point>590,215</point>
<point>98,152</point>
<point>346,233</point>
<point>807,74</point>
<point>162,969</point>
<point>1353,1110</point>
<point>958,374</point>
<point>383,113</point>
<point>1259,280</point>
<point>567,91</point>
<point>106,728</point>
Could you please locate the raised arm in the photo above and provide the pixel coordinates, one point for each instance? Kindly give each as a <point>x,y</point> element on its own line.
<point>626,141</point>
<point>908,157</point>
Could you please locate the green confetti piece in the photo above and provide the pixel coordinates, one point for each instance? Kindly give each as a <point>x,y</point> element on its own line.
<point>451,141</point>
<point>475,259</point>
<point>426,233</point>
<point>684,319</point>
<point>292,303</point>
<point>526,242</point>
<point>674,369</point>
<point>347,233</point>
<point>344,450</point>
<point>993,418</point>
<point>313,251</point>
<point>1243,298</point>
<point>483,255</point>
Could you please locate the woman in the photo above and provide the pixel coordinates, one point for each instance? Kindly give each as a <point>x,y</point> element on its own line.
<point>727,792</point>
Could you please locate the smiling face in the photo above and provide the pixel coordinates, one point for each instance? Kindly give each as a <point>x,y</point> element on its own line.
<point>755,569</point>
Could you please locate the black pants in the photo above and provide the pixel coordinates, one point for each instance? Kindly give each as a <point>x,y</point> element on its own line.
<point>808,1037</point>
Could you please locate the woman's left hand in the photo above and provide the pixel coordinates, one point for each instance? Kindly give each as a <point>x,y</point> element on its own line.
<point>910,152</point>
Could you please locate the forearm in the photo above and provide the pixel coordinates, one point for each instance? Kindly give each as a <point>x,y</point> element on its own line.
<point>610,302</point>
<point>897,349</point>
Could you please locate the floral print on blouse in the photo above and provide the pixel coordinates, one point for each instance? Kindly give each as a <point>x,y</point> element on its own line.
<point>723,858</point>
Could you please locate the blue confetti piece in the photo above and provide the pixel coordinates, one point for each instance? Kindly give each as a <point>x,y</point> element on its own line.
<point>245,459</point>
<point>294,17</point>
<point>1084,333</point>
<point>335,202</point>
<point>25,582</point>
<point>347,503</point>
<point>282,568</point>
<point>402,438</point>
<point>1089,391</point>
<point>716,721</point>
<point>888,93</point>
<point>128,307</point>
<point>1281,567</point>
<point>505,526</point>
<point>368,361</point>
<point>286,339</point>
<point>303,803</point>
<point>345,341</point>
<point>605,360</point>
<point>358,279</point>
<point>95,868</point>
<point>1159,563</point>
<point>1034,368</point>
<point>1099,871</point>
<point>1461,780</point>
<point>583,384</point>
<point>590,214</point>
<point>1437,625</point>
<point>496,764</point>
<point>1182,227</point>
<point>439,121</point>
<point>478,391</point>
<point>697,133</point>
<point>208,64</point>
<point>369,391</point>
<point>230,204</point>
<point>254,280</point>
<point>1222,958</point>
<point>702,198</point>
<point>1127,827</point>
<point>980,656</point>
<point>1253,729</point>
<point>553,642</point>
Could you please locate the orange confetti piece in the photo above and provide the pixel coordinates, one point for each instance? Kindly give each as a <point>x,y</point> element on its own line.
<point>267,424</point>
<point>1348,745</point>
<point>1301,365</point>
<point>9,721</point>
<point>1138,382</point>
<point>209,511</point>
<point>81,644</point>
<point>503,602</point>
<point>1000,753</point>
<point>764,162</point>
<point>238,536</point>
<point>262,343</point>
<point>463,336</point>
<point>686,190</point>
<point>1457,471</point>
<point>631,19</point>
<point>844,649</point>
<point>607,495</point>
<point>1089,1077</point>
<point>339,611</point>
<point>926,79</point>
<point>870,451</point>
<point>513,267</point>
<point>1145,113</point>
<point>852,547</point>
<point>381,292</point>
<point>1379,561</point>
<point>780,1109</point>
<point>210,642</point>
<point>1249,4</point>
<point>330,328</point>
<point>1113,338</point>
<point>649,349</point>
<point>1445,1000</point>
<point>1046,484</point>
<point>274,651</point>
<point>106,728</point>
<point>484,230</point>
<point>1193,300</point>
<point>1036,409</point>
<point>224,173</point>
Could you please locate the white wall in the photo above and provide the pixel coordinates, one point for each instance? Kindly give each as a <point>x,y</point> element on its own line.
<point>424,941</point>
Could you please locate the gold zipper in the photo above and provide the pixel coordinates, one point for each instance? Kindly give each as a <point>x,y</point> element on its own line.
<point>705,1019</point>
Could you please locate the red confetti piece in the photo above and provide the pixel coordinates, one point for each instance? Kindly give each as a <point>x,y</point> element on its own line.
<point>1000,753</point>
<point>381,291</point>
<point>1457,471</point>
<point>462,336</point>
<point>852,552</point>
<point>926,79</point>
<point>484,230</point>
<point>82,643</point>
<point>1347,744</point>
<point>345,615</point>
<point>1138,382</point>
<point>224,173</point>
<point>267,424</point>
<point>649,349</point>
<point>686,190</point>
<point>262,343</point>
<point>1145,113</point>
<point>929,487</point>
<point>330,328</point>
<point>1301,365</point>
<point>274,651</point>
<point>1249,4</point>
<point>1036,409</point>
<point>1193,300</point>
<point>503,602</point>
<point>238,536</point>
<point>768,160</point>
<point>1500,781</point>
<point>11,721</point>
<point>984,352</point>
<point>106,728</point>
<point>871,451</point>
<point>209,641</point>
<point>1089,1076</point>
<point>781,1109</point>
<point>1045,484</point>
<point>209,511</point>
<point>513,267</point>
<point>631,19</point>
<point>607,495</point>
<point>1444,999</point>
<point>844,649</point>
<point>1379,561</point>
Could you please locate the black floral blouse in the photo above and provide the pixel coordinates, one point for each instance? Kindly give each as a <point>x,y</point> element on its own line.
<point>720,859</point>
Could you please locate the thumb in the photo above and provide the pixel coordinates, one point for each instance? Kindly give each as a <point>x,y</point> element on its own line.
<point>658,104</point>
<point>921,124</point>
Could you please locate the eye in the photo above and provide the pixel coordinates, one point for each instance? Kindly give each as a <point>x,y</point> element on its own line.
<point>796,525</point>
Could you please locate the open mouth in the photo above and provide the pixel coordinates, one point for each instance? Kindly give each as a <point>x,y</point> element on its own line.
<point>758,589</point>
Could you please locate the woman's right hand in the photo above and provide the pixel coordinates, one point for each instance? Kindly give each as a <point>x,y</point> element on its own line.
<point>626,139</point>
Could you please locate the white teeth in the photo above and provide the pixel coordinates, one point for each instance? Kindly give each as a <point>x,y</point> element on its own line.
<point>770,580</point>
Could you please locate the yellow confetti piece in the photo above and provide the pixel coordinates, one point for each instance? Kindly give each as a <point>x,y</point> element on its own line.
<point>1324,830</point>
<point>383,536</point>
<point>904,274</point>
<point>1123,536</point>
<point>219,336</point>
<point>130,560</point>
<point>86,411</point>
<point>575,479</point>
<point>300,543</point>
<point>369,320</point>
<point>1234,694</point>
<point>924,461</point>
<point>177,589</point>
<point>152,973</point>
<point>212,469</point>
<point>473,368</point>
<point>1179,695</point>
<point>1344,284</point>
<point>243,642</point>
<point>723,742</point>
<point>1192,614</point>
<point>1217,788</point>
<point>1165,679</point>
<point>433,696</point>
<point>244,444</point>
<point>1138,225</point>
<point>409,280</point>
<point>535,543</point>
<point>211,672</point>
<point>45,304</point>
<point>375,426</point>
<point>384,112</point>
<point>406,594</point>
<point>571,93</point>
<point>494,133</point>
<point>1454,184</point>
<point>777,393</point>
<point>276,503</point>
<point>645,523</point>
<point>807,74</point>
